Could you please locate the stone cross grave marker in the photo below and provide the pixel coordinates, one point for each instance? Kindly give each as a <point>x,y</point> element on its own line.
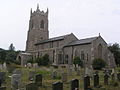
<point>75,84</point>
<point>38,79</point>
<point>15,81</point>
<point>57,86</point>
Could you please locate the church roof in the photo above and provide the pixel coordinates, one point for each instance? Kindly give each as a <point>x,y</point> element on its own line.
<point>52,39</point>
<point>82,41</point>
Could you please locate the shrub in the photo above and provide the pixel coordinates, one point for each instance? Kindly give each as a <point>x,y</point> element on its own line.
<point>78,61</point>
<point>98,64</point>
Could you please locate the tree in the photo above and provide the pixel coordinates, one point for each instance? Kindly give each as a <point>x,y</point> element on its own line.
<point>78,61</point>
<point>98,64</point>
<point>2,55</point>
<point>115,49</point>
<point>11,47</point>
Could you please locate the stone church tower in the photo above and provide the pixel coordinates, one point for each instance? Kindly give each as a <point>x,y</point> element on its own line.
<point>38,28</point>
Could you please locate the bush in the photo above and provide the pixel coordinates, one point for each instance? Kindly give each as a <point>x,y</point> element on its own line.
<point>42,61</point>
<point>98,64</point>
<point>78,61</point>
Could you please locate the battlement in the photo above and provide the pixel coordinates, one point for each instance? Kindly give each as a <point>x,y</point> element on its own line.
<point>38,11</point>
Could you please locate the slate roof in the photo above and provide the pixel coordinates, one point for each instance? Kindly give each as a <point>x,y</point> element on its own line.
<point>82,41</point>
<point>53,39</point>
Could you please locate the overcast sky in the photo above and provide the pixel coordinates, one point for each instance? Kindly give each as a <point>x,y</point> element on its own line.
<point>84,18</point>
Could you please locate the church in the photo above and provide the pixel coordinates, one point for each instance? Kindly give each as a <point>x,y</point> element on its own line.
<point>62,49</point>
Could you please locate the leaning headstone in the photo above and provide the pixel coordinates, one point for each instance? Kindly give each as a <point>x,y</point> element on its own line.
<point>96,80</point>
<point>31,75</point>
<point>32,86</point>
<point>86,82</point>
<point>118,76</point>
<point>75,84</point>
<point>15,81</point>
<point>57,86</point>
<point>2,76</point>
<point>64,77</point>
<point>2,88</point>
<point>106,79</point>
<point>38,79</point>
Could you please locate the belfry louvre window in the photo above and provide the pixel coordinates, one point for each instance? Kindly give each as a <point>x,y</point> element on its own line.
<point>42,24</point>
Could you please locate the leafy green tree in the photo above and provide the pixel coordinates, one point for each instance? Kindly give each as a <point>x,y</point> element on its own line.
<point>98,64</point>
<point>2,55</point>
<point>78,61</point>
<point>115,49</point>
<point>11,47</point>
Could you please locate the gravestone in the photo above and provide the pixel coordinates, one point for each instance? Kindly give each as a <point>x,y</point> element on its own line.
<point>2,76</point>
<point>106,79</point>
<point>57,86</point>
<point>75,84</point>
<point>78,72</point>
<point>32,86</point>
<point>38,79</point>
<point>4,66</point>
<point>69,70</point>
<point>15,81</point>
<point>64,77</point>
<point>113,77</point>
<point>35,65</point>
<point>96,80</point>
<point>29,65</point>
<point>54,74</point>
<point>86,82</point>
<point>31,75</point>
<point>2,88</point>
<point>118,77</point>
<point>17,71</point>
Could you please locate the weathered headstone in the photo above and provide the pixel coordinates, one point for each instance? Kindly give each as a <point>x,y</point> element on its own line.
<point>15,81</point>
<point>38,79</point>
<point>64,77</point>
<point>57,86</point>
<point>35,65</point>
<point>17,71</point>
<point>106,79</point>
<point>32,86</point>
<point>86,82</point>
<point>2,88</point>
<point>31,75</point>
<point>78,72</point>
<point>2,76</point>
<point>29,65</point>
<point>54,74</point>
<point>96,80</point>
<point>75,84</point>
<point>69,70</point>
<point>113,77</point>
<point>4,66</point>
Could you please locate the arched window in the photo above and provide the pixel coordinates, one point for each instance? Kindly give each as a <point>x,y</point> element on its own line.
<point>99,51</point>
<point>42,24</point>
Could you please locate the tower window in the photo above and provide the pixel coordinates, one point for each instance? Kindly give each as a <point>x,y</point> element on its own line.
<point>42,24</point>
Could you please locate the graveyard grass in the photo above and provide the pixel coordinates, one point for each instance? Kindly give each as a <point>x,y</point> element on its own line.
<point>47,80</point>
